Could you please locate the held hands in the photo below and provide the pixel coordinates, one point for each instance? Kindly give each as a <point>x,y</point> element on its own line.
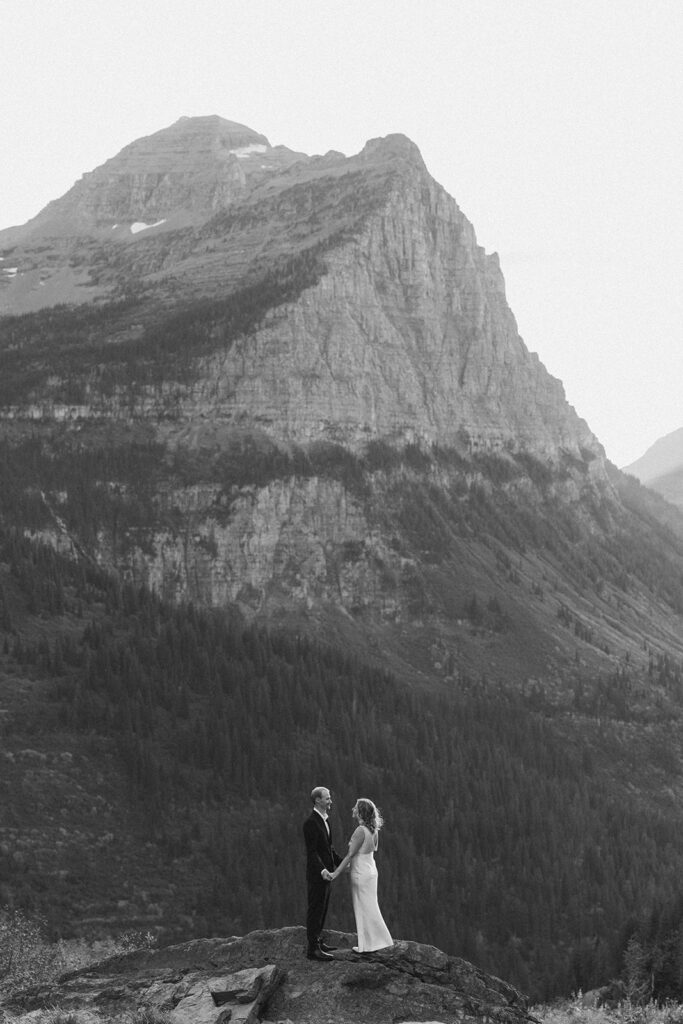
<point>327,875</point>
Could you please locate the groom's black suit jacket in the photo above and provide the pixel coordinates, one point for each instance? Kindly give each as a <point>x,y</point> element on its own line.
<point>320,852</point>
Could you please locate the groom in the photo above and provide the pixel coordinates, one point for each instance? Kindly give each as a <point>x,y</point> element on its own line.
<point>321,859</point>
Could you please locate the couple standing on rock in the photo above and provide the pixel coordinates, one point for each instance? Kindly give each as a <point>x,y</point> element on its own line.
<point>323,866</point>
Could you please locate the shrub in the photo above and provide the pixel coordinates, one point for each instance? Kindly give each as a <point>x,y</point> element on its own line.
<point>25,957</point>
<point>59,1016</point>
<point>126,942</point>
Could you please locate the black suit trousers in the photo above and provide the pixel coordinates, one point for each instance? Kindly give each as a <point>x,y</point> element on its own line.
<point>318,900</point>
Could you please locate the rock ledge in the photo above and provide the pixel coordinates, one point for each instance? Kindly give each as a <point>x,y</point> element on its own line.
<point>264,976</point>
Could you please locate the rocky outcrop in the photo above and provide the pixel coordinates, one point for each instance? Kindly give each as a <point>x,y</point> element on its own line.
<point>265,976</point>
<point>307,541</point>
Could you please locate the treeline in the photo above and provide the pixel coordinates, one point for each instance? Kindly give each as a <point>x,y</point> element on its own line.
<point>506,842</point>
<point>86,347</point>
<point>336,204</point>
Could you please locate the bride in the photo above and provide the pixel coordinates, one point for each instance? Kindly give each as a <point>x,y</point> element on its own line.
<point>360,861</point>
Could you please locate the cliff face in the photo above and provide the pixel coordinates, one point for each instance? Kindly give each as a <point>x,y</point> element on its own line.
<point>329,357</point>
<point>406,334</point>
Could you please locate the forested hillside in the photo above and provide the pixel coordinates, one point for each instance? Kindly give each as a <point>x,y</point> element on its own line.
<point>522,831</point>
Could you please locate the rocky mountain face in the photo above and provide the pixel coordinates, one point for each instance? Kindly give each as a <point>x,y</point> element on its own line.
<point>661,467</point>
<point>265,976</point>
<point>177,177</point>
<point>298,387</point>
<point>406,334</point>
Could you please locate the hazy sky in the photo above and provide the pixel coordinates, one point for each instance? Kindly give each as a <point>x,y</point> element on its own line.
<point>556,125</point>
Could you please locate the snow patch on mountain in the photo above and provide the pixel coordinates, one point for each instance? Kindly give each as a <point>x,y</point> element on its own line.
<point>245,151</point>
<point>139,225</point>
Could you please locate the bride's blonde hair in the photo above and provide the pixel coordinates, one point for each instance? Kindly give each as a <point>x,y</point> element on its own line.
<point>369,814</point>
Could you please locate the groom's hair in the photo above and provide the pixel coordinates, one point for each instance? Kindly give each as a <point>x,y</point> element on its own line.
<point>318,792</point>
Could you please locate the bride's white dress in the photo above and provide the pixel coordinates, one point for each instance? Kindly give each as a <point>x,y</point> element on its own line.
<point>370,927</point>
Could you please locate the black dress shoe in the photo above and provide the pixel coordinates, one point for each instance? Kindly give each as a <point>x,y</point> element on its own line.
<point>327,949</point>
<point>319,954</point>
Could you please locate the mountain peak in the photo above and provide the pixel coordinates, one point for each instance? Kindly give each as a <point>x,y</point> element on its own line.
<point>209,120</point>
<point>179,175</point>
<point>198,131</point>
<point>393,147</point>
<point>664,456</point>
<point>191,145</point>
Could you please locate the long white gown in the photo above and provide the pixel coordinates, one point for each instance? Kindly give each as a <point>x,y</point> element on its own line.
<point>370,927</point>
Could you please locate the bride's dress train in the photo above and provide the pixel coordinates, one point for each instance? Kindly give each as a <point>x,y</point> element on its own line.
<point>370,926</point>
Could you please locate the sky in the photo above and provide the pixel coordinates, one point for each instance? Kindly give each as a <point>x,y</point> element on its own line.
<point>555,124</point>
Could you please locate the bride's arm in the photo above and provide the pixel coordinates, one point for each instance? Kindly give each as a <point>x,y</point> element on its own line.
<point>355,843</point>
